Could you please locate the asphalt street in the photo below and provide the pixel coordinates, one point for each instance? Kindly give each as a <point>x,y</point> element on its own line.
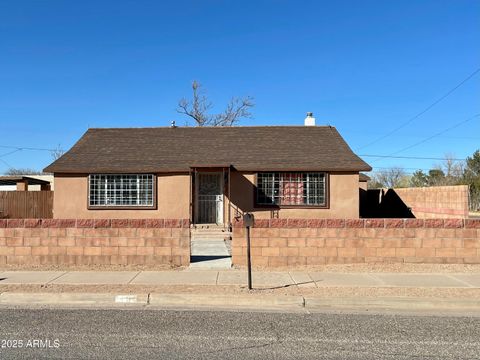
<point>159,334</point>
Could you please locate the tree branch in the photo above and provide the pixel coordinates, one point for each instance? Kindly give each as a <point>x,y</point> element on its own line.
<point>199,106</point>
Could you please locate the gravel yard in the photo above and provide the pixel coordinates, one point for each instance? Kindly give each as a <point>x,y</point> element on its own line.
<point>341,268</point>
<point>443,293</point>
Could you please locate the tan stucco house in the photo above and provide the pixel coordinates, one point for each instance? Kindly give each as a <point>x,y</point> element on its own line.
<point>208,174</point>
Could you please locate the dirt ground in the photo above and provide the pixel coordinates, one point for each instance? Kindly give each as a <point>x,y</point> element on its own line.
<point>384,268</point>
<point>330,292</point>
<point>340,268</point>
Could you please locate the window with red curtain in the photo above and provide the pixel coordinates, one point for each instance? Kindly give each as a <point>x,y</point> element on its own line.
<point>291,188</point>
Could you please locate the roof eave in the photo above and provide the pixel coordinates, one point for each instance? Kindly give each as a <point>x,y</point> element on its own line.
<point>187,169</point>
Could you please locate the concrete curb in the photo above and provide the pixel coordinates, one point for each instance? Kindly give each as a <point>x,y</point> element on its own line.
<point>392,303</point>
<point>158,300</point>
<point>229,301</point>
<point>91,299</point>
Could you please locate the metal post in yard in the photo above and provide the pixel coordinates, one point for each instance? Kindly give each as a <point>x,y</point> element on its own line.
<point>249,260</point>
<point>248,221</point>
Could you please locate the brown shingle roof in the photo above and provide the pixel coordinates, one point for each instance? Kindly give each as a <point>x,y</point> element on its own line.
<point>161,149</point>
<point>363,177</point>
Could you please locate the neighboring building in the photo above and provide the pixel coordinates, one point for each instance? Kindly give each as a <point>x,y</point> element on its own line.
<point>363,193</point>
<point>208,174</point>
<point>26,196</point>
<point>363,181</point>
<point>26,182</point>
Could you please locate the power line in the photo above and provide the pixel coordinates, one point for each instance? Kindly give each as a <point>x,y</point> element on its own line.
<point>6,163</point>
<point>26,148</point>
<point>408,157</point>
<point>437,134</point>
<point>404,168</point>
<point>423,111</point>
<point>406,173</point>
<point>9,153</point>
<point>413,136</point>
<point>17,149</point>
<point>392,155</point>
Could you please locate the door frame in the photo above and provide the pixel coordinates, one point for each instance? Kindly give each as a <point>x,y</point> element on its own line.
<point>220,216</point>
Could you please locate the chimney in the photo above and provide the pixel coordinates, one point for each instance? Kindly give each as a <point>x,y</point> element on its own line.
<point>309,120</point>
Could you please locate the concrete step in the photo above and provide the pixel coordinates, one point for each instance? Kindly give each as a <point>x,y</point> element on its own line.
<point>209,237</point>
<point>208,227</point>
<point>194,232</point>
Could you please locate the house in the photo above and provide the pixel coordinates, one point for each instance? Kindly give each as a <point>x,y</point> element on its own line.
<point>210,175</point>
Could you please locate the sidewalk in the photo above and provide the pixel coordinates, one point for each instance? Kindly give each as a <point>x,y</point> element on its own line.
<point>239,278</point>
<point>294,290</point>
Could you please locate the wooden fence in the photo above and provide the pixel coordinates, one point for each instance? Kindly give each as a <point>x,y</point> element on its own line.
<point>26,204</point>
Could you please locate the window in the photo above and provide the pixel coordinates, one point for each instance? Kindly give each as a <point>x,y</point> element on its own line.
<point>290,189</point>
<point>121,190</point>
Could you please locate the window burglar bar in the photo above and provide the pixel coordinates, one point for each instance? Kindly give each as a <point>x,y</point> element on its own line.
<point>300,188</point>
<point>121,190</point>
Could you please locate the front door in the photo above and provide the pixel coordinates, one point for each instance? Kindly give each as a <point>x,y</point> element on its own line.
<point>209,198</point>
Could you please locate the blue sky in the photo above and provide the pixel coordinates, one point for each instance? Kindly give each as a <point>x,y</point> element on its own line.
<point>364,67</point>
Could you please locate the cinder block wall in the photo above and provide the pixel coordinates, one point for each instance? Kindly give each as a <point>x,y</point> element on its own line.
<point>95,241</point>
<point>293,242</point>
<point>436,201</point>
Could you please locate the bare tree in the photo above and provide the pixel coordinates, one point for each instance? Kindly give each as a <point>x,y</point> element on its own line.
<point>198,107</point>
<point>57,152</point>
<point>453,169</point>
<point>23,171</point>
<point>390,178</point>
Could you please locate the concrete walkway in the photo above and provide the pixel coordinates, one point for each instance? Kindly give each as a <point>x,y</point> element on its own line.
<point>239,278</point>
<point>210,254</point>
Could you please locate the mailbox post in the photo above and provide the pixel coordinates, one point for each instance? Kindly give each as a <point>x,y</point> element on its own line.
<point>248,221</point>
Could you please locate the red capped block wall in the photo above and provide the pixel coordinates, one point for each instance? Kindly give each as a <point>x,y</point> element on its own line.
<point>299,242</point>
<point>95,241</point>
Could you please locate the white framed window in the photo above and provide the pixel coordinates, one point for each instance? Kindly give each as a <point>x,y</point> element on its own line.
<point>292,188</point>
<point>121,190</point>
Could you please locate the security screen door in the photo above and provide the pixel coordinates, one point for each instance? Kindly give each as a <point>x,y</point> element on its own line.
<point>210,198</point>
